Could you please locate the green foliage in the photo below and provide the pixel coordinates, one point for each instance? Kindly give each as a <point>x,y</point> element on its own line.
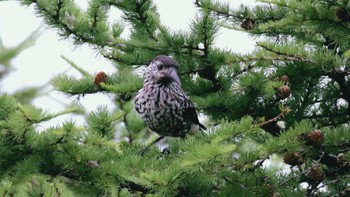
<point>124,82</point>
<point>103,122</point>
<point>72,85</point>
<point>8,53</point>
<point>289,98</point>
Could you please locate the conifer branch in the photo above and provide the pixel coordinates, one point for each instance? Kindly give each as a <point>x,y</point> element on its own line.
<point>317,164</point>
<point>289,57</point>
<point>57,21</point>
<point>308,55</point>
<point>219,12</point>
<point>229,180</point>
<point>283,113</point>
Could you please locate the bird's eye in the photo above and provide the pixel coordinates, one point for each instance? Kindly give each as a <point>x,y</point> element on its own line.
<point>160,67</point>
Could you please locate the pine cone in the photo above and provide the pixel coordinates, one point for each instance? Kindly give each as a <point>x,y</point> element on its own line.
<point>99,78</point>
<point>283,92</point>
<point>248,24</point>
<point>315,137</point>
<point>293,159</point>
<point>342,15</point>
<point>315,174</point>
<point>284,78</point>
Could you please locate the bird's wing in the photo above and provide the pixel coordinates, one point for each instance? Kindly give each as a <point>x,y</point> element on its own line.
<point>137,103</point>
<point>189,113</point>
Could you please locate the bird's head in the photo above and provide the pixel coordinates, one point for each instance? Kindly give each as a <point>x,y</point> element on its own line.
<point>162,69</point>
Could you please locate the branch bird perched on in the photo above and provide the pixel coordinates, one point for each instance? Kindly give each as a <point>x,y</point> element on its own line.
<point>162,103</point>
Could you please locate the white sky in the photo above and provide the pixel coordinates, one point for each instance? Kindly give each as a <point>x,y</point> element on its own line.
<point>38,64</point>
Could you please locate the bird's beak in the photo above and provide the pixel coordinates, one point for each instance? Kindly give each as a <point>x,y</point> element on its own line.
<point>174,76</point>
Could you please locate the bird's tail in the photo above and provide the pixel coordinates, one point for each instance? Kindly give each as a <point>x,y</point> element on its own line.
<point>202,127</point>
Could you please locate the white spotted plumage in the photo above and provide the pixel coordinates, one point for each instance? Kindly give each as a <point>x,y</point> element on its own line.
<point>162,103</point>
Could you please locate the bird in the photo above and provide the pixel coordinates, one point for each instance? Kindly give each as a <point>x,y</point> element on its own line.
<point>163,104</point>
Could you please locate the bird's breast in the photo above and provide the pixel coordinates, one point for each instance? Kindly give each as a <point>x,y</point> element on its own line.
<point>162,108</point>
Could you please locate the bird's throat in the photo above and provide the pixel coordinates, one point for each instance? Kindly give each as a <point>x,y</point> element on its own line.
<point>165,81</point>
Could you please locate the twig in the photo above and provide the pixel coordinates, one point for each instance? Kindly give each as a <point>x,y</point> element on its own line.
<point>229,180</point>
<point>303,172</point>
<point>142,153</point>
<point>282,114</point>
<point>287,56</point>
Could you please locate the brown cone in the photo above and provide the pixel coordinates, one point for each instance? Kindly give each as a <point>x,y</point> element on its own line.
<point>283,92</point>
<point>100,77</point>
<point>315,137</point>
<point>293,159</point>
<point>248,24</point>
